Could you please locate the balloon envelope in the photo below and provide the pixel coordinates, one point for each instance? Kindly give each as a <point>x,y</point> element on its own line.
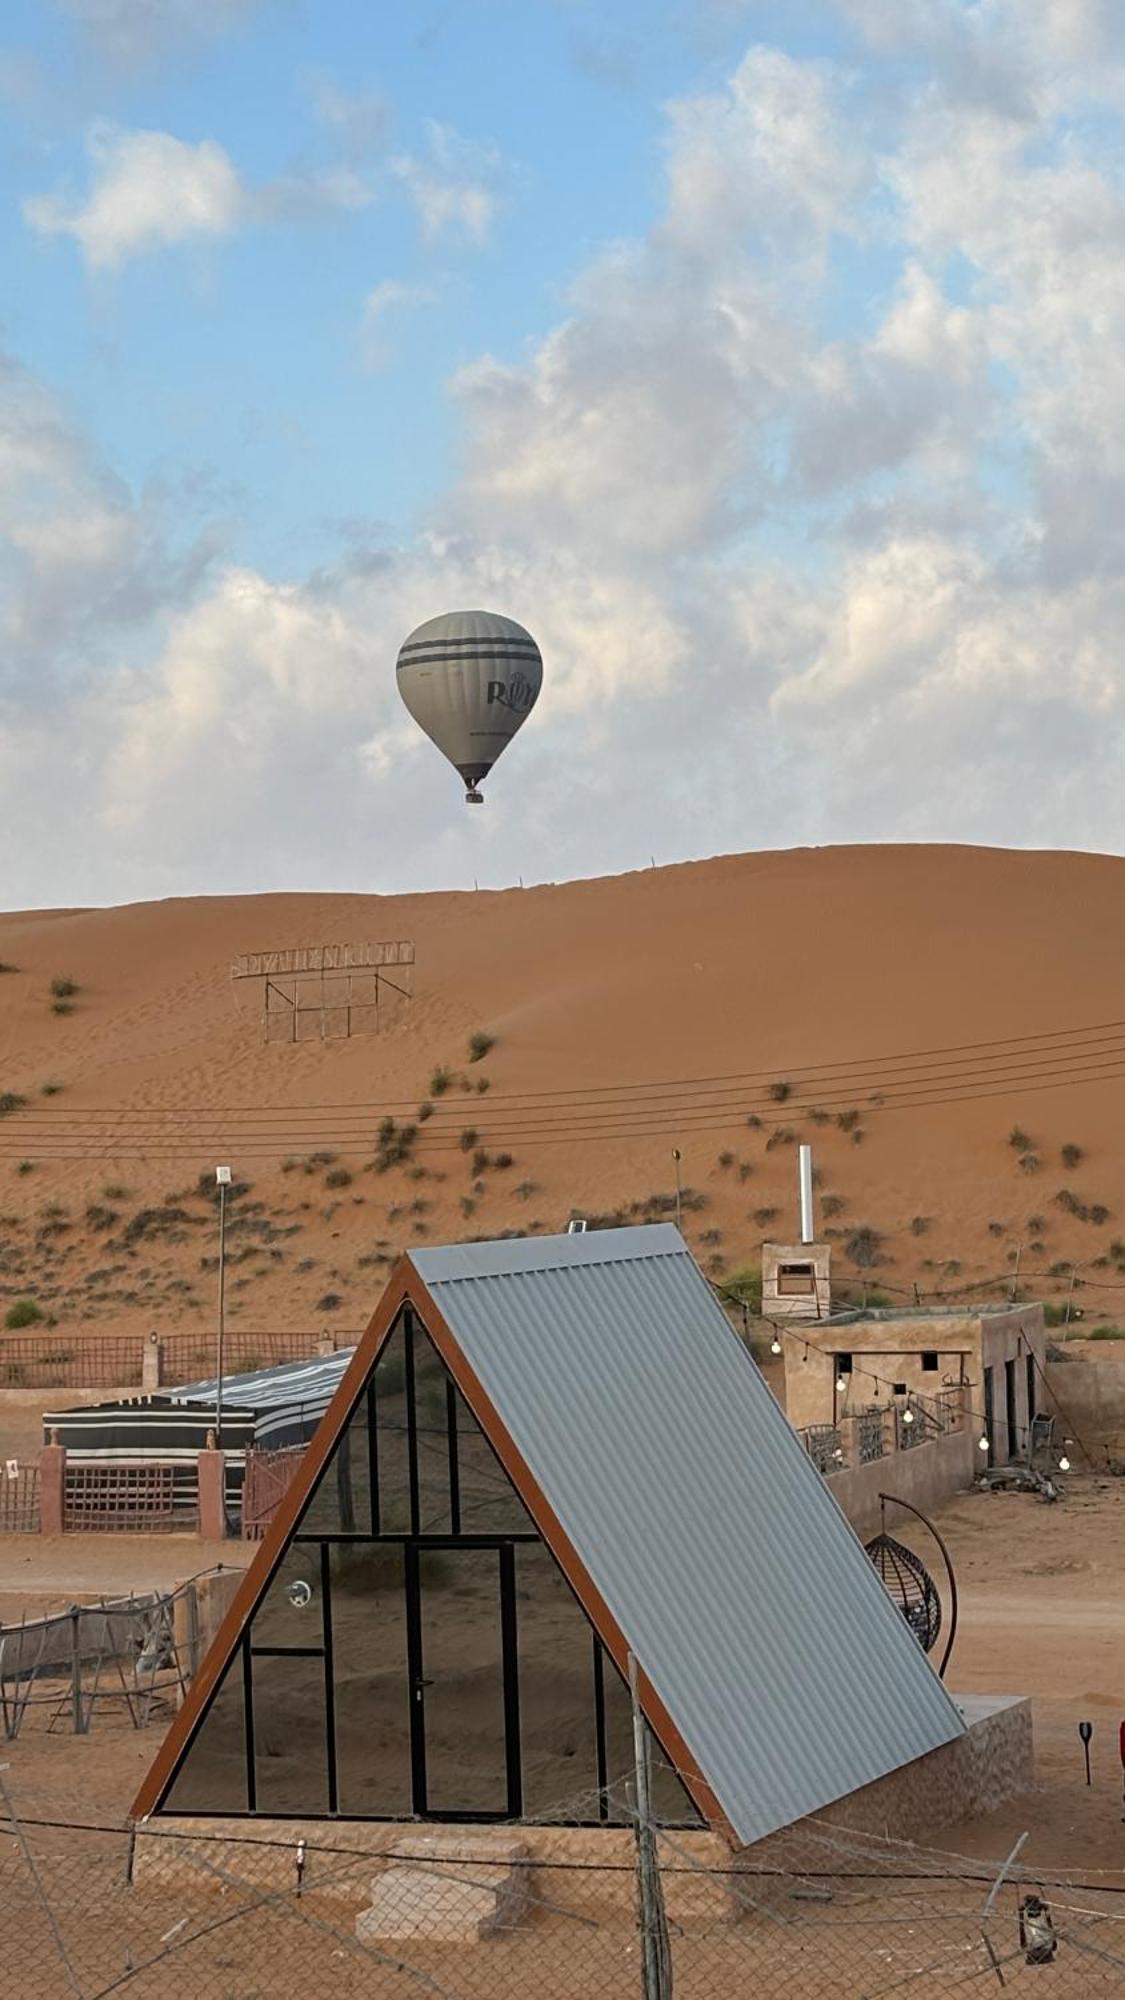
<point>470,679</point>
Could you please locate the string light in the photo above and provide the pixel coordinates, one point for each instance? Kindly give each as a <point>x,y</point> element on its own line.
<point>842,1384</point>
<point>1064,1463</point>
<point>982,1444</point>
<point>775,1345</point>
<point>908,1415</point>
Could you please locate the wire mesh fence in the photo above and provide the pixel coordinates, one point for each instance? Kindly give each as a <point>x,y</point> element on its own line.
<point>236,1911</point>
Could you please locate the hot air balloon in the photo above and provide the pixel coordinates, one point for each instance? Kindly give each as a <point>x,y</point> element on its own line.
<point>470,679</point>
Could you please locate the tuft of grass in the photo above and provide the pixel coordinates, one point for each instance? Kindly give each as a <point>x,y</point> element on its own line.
<point>479,1045</point>
<point>63,989</point>
<point>1105,1333</point>
<point>764,1216</point>
<point>1019,1140</point>
<point>1038,1223</point>
<point>50,1088</point>
<point>440,1082</point>
<point>330,1302</point>
<point>997,1228</point>
<point>25,1312</point>
<point>526,1189</point>
<point>1071,1155</point>
<point>481,1161</point>
<point>780,1092</point>
<point>113,1191</point>
<point>746,1285</point>
<point>782,1135</point>
<point>5,967</point>
<point>502,1161</point>
<point>24,1168</point>
<point>469,1138</point>
<point>847,1120</point>
<point>338,1177</point>
<point>1097,1213</point>
<point>832,1204</point>
<point>725,1159</point>
<point>62,1007</point>
<point>468,1205</point>
<point>1030,1163</point>
<point>919,1224</point>
<point>754,1122</point>
<point>864,1246</point>
<point>425,1110</point>
<point>484,1084</point>
<point>818,1115</point>
<point>10,1100</point>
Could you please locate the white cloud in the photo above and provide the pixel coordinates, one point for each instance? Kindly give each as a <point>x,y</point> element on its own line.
<point>386,299</point>
<point>454,186</point>
<point>148,189</point>
<point>360,120</point>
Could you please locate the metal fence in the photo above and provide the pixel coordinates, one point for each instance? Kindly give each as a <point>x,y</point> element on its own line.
<point>124,1658</point>
<point>124,1498</point>
<point>865,1435</point>
<point>264,1485</point>
<point>115,1361</point>
<point>90,1907</point>
<point>19,1498</point>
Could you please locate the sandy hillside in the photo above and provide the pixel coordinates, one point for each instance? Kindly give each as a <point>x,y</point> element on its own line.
<point>905,1008</point>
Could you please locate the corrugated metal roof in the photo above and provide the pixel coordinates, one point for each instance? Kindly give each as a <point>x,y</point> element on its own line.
<point>288,1399</point>
<point>734,1575</point>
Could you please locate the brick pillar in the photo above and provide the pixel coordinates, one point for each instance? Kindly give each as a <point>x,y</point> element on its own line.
<point>152,1364</point>
<point>212,1504</point>
<point>326,1343</point>
<point>52,1487</point>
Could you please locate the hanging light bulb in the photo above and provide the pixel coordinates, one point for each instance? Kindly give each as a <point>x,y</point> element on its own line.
<point>775,1345</point>
<point>908,1415</point>
<point>1064,1463</point>
<point>842,1384</point>
<point>982,1444</point>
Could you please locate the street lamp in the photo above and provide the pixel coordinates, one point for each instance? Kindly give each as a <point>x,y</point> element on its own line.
<point>679,1190</point>
<point>222,1180</point>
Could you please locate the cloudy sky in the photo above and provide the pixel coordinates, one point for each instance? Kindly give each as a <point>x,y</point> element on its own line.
<point>765,357</point>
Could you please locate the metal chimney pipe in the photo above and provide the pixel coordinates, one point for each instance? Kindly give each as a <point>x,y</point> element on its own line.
<point>804,1157</point>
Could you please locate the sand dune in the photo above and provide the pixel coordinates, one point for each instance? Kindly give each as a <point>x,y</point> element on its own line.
<point>889,983</point>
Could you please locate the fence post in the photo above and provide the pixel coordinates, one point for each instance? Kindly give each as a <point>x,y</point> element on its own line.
<point>152,1363</point>
<point>656,1956</point>
<point>212,1499</point>
<point>52,1487</point>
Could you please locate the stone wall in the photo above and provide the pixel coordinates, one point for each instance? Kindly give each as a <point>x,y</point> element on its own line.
<point>925,1476</point>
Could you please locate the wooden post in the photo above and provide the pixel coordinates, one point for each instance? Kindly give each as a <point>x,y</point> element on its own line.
<point>152,1364</point>
<point>52,1487</point>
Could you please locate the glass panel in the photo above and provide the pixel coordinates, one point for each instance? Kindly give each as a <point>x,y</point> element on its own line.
<point>671,1805</point>
<point>556,1678</point>
<point>290,1611</point>
<point>372,1690</point>
<point>341,1504</point>
<point>391,1439</point>
<point>463,1682</point>
<point>212,1778</point>
<point>490,1504</point>
<point>431,1429</point>
<point>290,1754</point>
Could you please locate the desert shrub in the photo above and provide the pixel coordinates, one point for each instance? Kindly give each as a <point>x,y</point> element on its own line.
<point>847,1120</point>
<point>526,1189</point>
<point>502,1161</point>
<point>919,1224</point>
<point>711,1236</point>
<point>1060,1269</point>
<point>337,1177</point>
<point>764,1216</point>
<point>745,1169</point>
<point>468,1205</point>
<point>62,1007</point>
<point>98,1216</point>
<point>1070,1156</point>
<point>725,1159</point>
<point>832,1204</point>
<point>305,1265</point>
<point>469,1138</point>
<point>864,1247</point>
<point>1030,1163</point>
<point>754,1122</point>
<point>329,1302</point>
<point>10,1100</point>
<point>997,1228</point>
<point>1105,1333</point>
<point>1036,1248</point>
<point>481,1161</point>
<point>483,1084</point>
<point>818,1115</point>
<point>5,967</point>
<point>780,1092</point>
<point>1054,1313</point>
<point>25,1312</point>
<point>113,1191</point>
<point>1066,1199</point>
<point>50,1088</point>
<point>440,1082</point>
<point>952,1266</point>
<point>1038,1223</point>
<point>63,989</point>
<point>1097,1213</point>
<point>24,1168</point>
<point>1019,1140</point>
<point>782,1135</point>
<point>479,1044</point>
<point>425,1110</point>
<point>746,1285</point>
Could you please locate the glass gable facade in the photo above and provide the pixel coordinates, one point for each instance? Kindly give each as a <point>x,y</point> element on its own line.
<point>417,1652</point>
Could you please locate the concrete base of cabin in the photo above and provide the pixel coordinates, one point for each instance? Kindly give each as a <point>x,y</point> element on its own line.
<point>479,1880</point>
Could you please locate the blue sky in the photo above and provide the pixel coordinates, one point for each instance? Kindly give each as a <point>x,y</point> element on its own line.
<point>764,359</point>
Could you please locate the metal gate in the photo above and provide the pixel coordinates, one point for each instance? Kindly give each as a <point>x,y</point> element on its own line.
<point>268,1474</point>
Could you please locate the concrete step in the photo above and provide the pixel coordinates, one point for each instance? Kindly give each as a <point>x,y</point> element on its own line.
<point>451,1887</point>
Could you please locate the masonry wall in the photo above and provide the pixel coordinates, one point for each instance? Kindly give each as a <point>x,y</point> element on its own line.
<point>925,1476</point>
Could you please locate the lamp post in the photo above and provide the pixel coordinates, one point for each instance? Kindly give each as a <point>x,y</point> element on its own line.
<point>679,1189</point>
<point>222,1178</point>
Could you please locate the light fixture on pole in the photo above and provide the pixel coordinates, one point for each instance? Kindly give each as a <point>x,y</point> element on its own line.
<point>222,1181</point>
<point>679,1190</point>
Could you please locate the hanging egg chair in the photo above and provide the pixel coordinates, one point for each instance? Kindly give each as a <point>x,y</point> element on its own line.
<point>910,1586</point>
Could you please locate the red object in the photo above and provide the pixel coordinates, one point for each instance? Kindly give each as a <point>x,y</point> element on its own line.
<point>1122,1742</point>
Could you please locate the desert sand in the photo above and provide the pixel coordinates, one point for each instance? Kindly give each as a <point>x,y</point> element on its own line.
<point>937,999</point>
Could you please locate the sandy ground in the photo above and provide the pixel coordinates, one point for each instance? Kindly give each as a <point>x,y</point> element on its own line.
<point>767,963</point>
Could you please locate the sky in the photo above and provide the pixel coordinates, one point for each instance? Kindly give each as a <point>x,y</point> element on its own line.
<point>765,358</point>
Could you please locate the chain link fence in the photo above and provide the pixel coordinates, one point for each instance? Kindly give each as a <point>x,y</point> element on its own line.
<point>234,1911</point>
